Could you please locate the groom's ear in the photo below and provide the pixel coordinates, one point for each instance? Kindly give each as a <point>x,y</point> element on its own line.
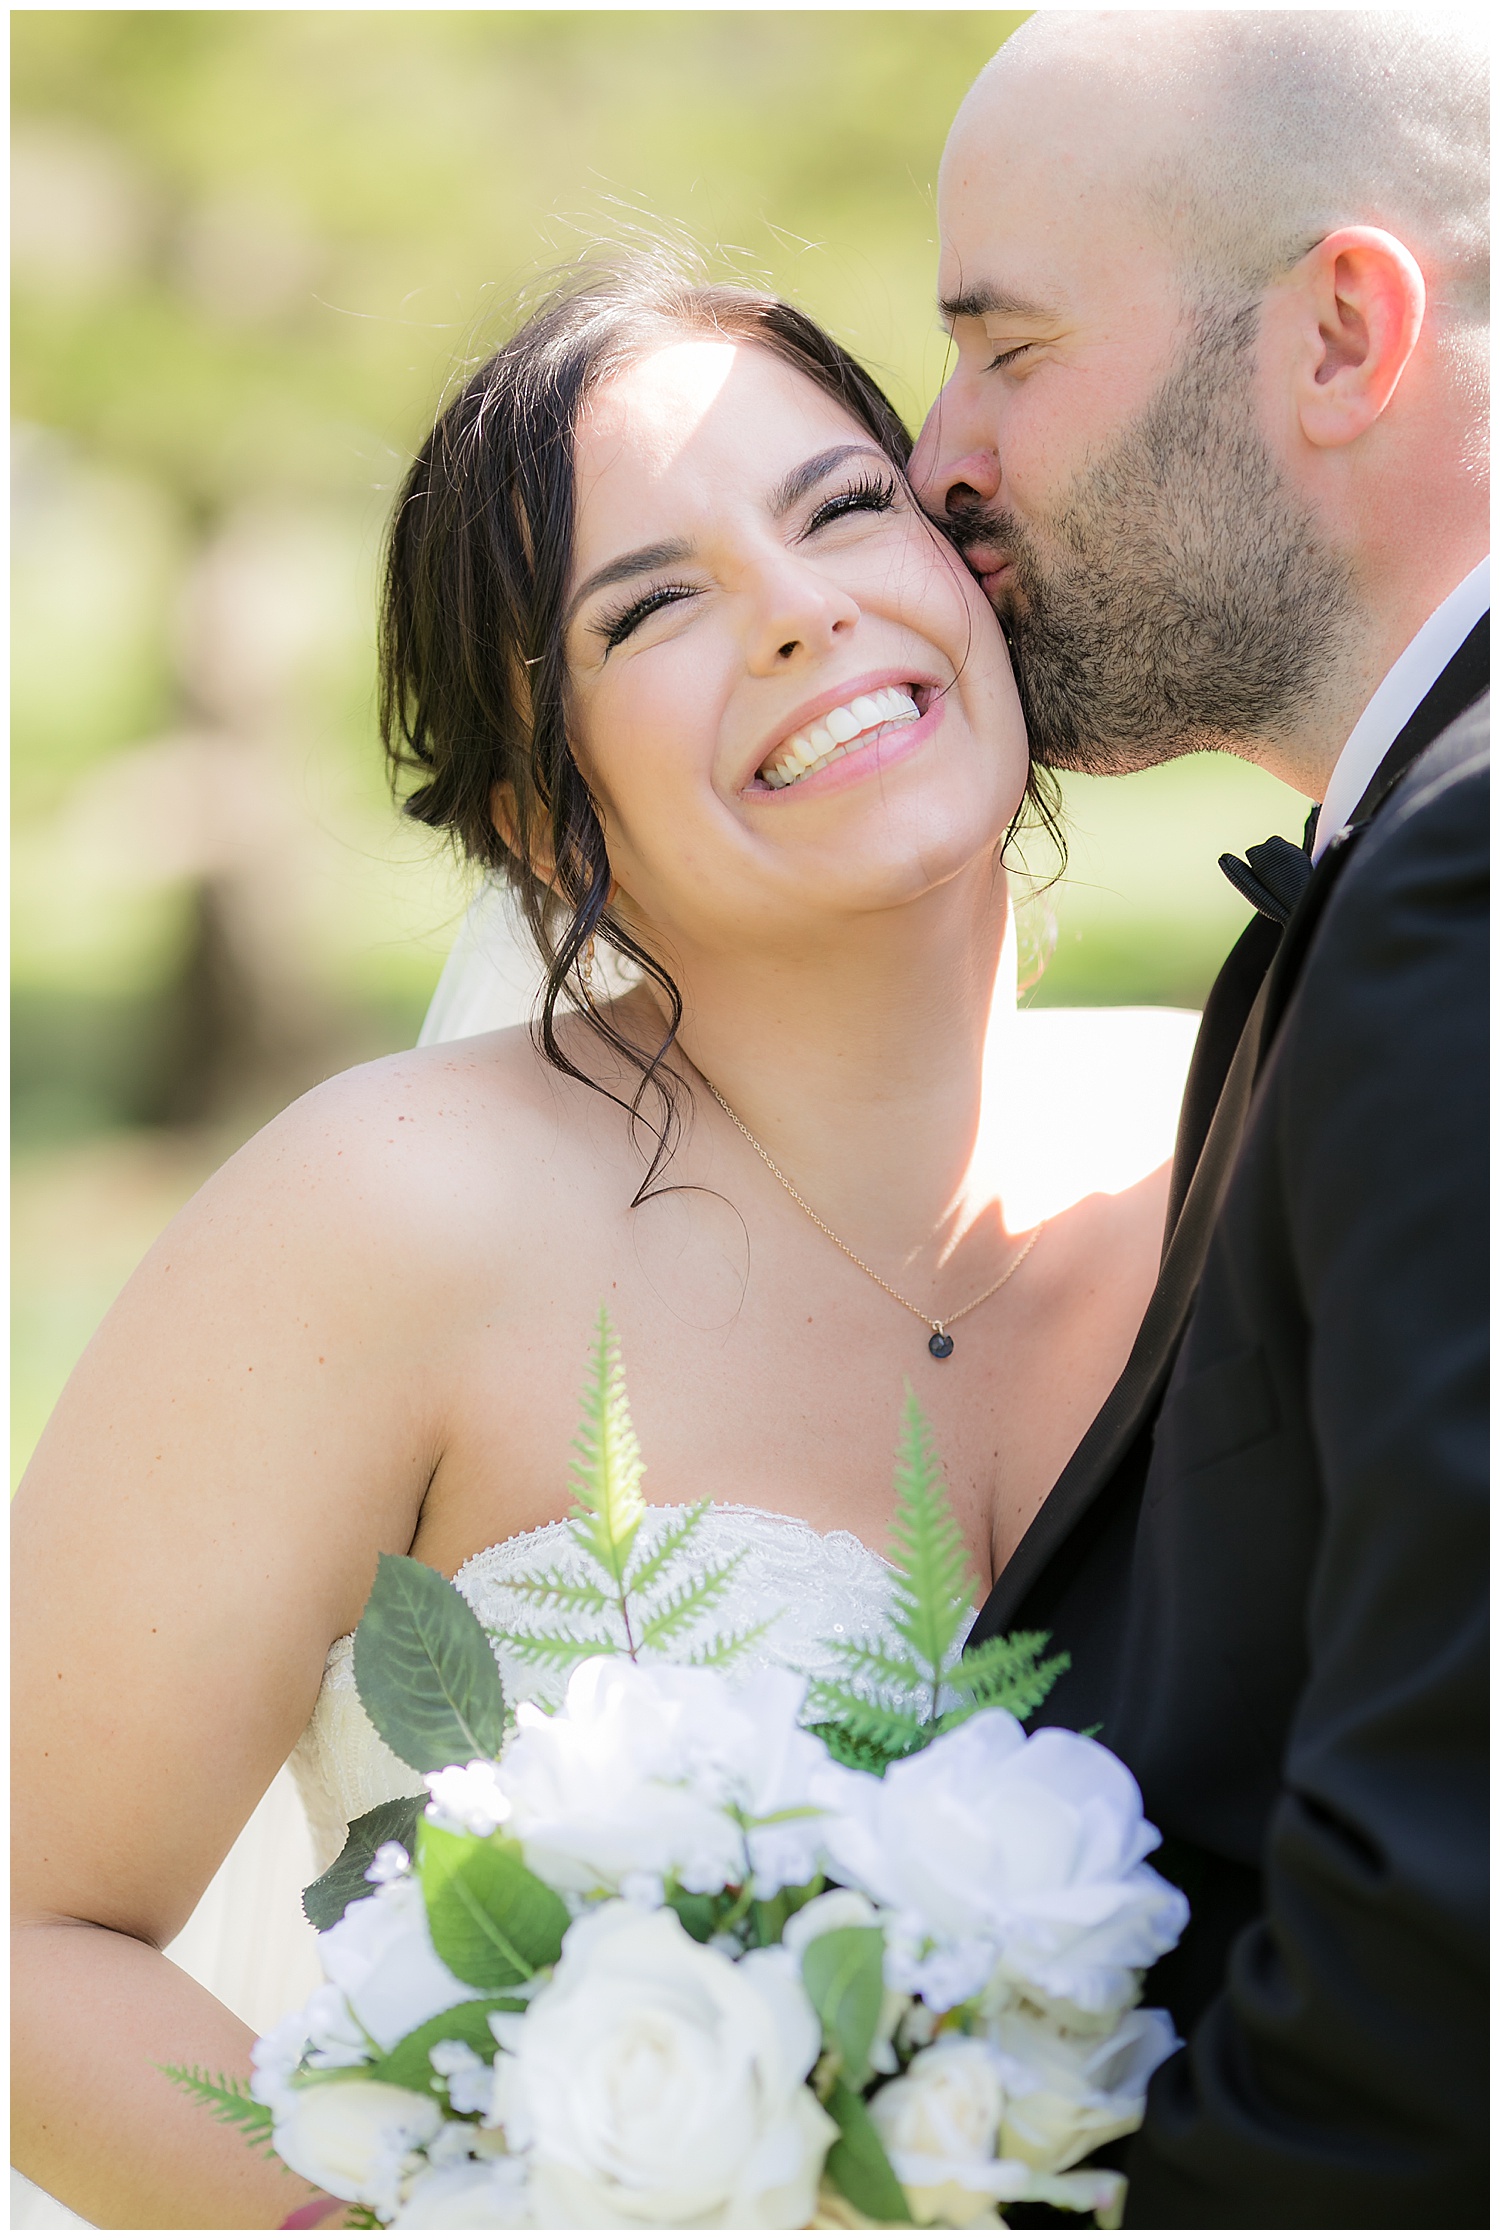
<point>1355,305</point>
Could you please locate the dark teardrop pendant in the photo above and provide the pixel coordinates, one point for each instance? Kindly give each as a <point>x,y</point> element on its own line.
<point>940,1345</point>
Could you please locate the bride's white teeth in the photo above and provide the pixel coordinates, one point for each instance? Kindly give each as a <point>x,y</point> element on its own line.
<point>834,734</point>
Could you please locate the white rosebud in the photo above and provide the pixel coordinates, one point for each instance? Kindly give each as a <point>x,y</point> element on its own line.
<point>356,2141</point>
<point>1067,2092</point>
<point>834,1909</point>
<point>468,1800</point>
<point>993,1846</point>
<point>850,1909</point>
<point>483,2196</point>
<point>940,2127</point>
<point>381,1957</point>
<point>652,1770</point>
<point>657,2083</point>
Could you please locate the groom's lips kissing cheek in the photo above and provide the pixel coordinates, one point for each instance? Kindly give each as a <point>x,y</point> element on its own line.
<point>848,732</point>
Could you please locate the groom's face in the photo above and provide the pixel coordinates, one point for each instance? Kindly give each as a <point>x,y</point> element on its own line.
<point>1104,451</point>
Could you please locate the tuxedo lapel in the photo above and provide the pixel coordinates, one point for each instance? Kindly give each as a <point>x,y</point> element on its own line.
<point>1261,972</point>
<point>1119,1421</point>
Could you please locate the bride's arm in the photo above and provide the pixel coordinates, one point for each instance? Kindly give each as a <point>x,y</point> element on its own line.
<point>257,1418</point>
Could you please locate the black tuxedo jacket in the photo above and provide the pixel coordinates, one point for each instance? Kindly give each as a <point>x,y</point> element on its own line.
<point>1267,1558</point>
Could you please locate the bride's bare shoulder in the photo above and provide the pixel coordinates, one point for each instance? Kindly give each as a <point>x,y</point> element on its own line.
<point>412,1151</point>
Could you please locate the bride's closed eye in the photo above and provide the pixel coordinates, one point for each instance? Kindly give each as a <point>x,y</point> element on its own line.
<point>615,625</point>
<point>872,493</point>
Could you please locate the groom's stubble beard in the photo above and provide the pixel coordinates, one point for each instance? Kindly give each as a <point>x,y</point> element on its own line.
<point>1182,598</point>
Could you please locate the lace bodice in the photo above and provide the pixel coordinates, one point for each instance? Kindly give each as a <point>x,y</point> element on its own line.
<point>807,1588</point>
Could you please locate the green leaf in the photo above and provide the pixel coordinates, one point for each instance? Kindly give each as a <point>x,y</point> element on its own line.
<point>328,1899</point>
<point>425,1671</point>
<point>493,1921</point>
<point>844,1972</point>
<point>858,2164</point>
<point>229,2100</point>
<point>606,1483</point>
<point>934,1588</point>
<point>409,2063</point>
<point>699,1915</point>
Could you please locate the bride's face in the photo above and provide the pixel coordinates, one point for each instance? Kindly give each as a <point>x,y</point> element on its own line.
<point>788,695</point>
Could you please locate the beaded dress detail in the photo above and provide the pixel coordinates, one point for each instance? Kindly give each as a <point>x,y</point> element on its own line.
<point>807,1589</point>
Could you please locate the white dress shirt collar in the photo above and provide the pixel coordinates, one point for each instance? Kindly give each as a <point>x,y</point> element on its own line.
<point>1397,697</point>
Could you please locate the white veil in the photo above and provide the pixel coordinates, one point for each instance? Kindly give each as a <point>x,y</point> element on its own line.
<point>491,978</point>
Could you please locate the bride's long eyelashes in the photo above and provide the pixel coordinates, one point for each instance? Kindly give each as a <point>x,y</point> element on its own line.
<point>614,626</point>
<point>872,493</point>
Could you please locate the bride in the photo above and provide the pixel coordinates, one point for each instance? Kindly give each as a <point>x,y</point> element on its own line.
<point>669,646</point>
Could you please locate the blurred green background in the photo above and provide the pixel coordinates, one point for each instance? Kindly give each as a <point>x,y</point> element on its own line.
<point>250,252</point>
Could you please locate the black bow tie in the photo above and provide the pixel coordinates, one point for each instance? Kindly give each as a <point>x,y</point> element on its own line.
<point>1275,877</point>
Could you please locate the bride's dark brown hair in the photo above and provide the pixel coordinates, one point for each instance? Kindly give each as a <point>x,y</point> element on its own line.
<point>473,671</point>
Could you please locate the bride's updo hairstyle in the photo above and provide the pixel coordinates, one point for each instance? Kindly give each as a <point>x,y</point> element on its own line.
<point>474,677</point>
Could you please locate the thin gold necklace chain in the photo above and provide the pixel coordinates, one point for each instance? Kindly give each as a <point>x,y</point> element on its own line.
<point>939,1329</point>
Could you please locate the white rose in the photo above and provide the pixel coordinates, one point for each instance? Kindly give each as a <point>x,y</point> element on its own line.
<point>993,1846</point>
<point>381,1957</point>
<point>657,2083</point>
<point>466,2196</point>
<point>1068,2092</point>
<point>357,2141</point>
<point>940,2127</point>
<point>646,1771</point>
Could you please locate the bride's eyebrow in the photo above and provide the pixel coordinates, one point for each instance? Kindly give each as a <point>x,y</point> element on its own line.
<point>639,563</point>
<point>795,486</point>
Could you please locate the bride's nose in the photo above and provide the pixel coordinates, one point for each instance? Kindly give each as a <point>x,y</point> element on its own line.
<point>794,610</point>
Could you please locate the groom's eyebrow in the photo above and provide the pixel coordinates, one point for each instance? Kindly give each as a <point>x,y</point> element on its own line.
<point>993,303</point>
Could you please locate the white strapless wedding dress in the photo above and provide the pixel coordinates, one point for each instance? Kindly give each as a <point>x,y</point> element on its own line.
<point>248,1941</point>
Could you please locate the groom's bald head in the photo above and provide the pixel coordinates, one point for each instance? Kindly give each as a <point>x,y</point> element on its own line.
<point>1246,136</point>
<point>1213,437</point>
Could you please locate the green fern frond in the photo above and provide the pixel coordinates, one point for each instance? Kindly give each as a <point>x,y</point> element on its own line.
<point>560,1649</point>
<point>1007,1673</point>
<point>885,1725</point>
<point>681,1609</point>
<point>563,1593</point>
<point>935,1586</point>
<point>868,1661</point>
<point>725,1648</point>
<point>606,1482</point>
<point>229,2101</point>
<point>676,1537</point>
<point>868,1738</point>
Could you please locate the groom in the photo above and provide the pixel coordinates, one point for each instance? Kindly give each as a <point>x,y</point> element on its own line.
<point>1214,444</point>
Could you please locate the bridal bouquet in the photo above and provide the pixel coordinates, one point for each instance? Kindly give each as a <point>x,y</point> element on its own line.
<point>688,1951</point>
